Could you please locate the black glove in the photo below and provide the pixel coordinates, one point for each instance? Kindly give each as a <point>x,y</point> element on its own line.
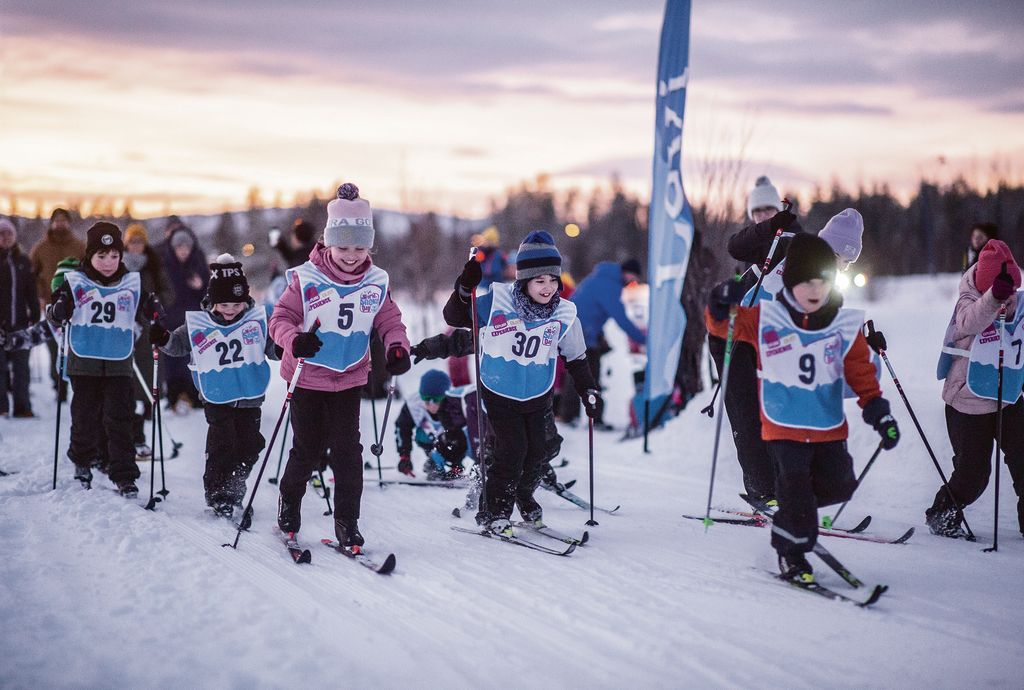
<point>451,445</point>
<point>398,360</point>
<point>158,335</point>
<point>62,308</point>
<point>306,344</point>
<point>875,338</point>
<point>1003,287</point>
<point>435,347</point>
<point>405,465</point>
<point>782,220</point>
<point>877,414</point>
<point>472,274</point>
<point>151,307</point>
<point>593,403</point>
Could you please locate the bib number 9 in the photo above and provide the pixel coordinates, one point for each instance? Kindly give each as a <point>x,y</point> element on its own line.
<point>103,312</point>
<point>807,367</point>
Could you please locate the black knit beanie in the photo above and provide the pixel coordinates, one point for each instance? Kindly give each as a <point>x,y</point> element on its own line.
<point>102,236</point>
<point>227,281</point>
<point>809,257</point>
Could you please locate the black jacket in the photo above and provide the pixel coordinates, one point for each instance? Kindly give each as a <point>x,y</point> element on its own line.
<point>449,415</point>
<point>19,304</point>
<point>752,244</point>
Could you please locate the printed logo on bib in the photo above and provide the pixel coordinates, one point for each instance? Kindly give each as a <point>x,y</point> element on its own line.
<point>989,335</point>
<point>250,333</point>
<point>368,301</point>
<point>502,324</point>
<point>549,334</point>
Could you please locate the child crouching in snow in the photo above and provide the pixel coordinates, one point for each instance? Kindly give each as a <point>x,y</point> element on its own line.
<point>969,365</point>
<point>229,346</point>
<point>524,327</point>
<point>807,344</point>
<point>436,424</point>
<point>340,288</point>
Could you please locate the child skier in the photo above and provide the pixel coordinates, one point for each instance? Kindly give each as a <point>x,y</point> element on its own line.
<point>807,344</point>
<point>524,327</point>
<point>434,421</point>
<point>969,365</point>
<point>102,301</point>
<point>341,289</point>
<point>229,346</point>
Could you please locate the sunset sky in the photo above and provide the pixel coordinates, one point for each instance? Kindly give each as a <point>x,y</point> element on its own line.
<point>184,106</point>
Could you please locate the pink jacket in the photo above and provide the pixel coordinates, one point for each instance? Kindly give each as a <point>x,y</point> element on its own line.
<point>286,323</point>
<point>974,313</point>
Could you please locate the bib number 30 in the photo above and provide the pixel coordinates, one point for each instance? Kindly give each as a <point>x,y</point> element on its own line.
<point>526,346</point>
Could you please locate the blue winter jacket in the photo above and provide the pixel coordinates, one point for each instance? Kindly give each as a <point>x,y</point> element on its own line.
<point>599,298</point>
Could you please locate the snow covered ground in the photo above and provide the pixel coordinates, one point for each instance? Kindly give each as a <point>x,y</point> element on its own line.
<point>97,592</point>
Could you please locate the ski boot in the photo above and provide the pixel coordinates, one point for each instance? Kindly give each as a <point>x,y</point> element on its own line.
<point>347,532</point>
<point>83,473</point>
<point>143,453</point>
<point>128,489</point>
<point>530,509</point>
<point>945,523</point>
<point>550,480</point>
<point>795,568</point>
<point>289,515</point>
<point>456,472</point>
<point>433,472</point>
<point>223,509</point>
<point>501,527</point>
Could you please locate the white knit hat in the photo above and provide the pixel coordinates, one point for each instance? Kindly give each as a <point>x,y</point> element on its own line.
<point>843,232</point>
<point>349,220</point>
<point>763,194</point>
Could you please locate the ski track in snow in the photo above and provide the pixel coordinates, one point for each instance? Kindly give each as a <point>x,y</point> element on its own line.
<point>97,592</point>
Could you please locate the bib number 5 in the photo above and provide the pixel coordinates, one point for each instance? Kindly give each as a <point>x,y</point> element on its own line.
<point>346,312</point>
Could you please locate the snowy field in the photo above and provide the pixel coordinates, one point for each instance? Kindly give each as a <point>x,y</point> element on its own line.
<point>96,592</point>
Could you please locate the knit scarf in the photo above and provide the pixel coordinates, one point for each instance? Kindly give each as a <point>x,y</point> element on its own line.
<point>530,310</point>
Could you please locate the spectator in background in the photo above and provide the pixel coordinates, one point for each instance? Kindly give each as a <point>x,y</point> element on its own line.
<point>295,249</point>
<point>188,273</point>
<point>19,308</point>
<point>494,261</point>
<point>599,298</point>
<point>981,233</point>
<point>141,258</point>
<point>58,243</point>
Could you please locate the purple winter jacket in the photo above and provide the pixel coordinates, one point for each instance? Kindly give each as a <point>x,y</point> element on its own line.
<point>286,323</point>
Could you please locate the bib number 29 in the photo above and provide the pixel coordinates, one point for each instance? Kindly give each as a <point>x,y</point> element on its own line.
<point>526,346</point>
<point>103,312</point>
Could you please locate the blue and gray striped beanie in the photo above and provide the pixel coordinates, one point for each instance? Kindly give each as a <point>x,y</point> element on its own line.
<point>538,256</point>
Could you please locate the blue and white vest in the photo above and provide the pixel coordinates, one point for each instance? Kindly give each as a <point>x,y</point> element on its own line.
<point>427,428</point>
<point>802,371</point>
<point>983,368</point>
<point>229,362</point>
<point>769,287</point>
<point>102,325</point>
<point>345,312</point>
<point>518,357</point>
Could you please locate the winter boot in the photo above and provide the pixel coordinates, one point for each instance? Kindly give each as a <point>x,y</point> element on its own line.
<point>84,474</point>
<point>128,489</point>
<point>501,527</point>
<point>529,508</point>
<point>143,453</point>
<point>550,480</point>
<point>347,532</point>
<point>944,522</point>
<point>794,567</point>
<point>223,509</point>
<point>432,471</point>
<point>289,515</point>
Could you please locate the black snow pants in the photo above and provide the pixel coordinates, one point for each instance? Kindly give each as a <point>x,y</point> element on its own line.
<point>321,420</point>
<point>744,409</point>
<point>807,476</point>
<point>103,404</point>
<point>973,437</point>
<point>233,445</point>
<point>520,451</point>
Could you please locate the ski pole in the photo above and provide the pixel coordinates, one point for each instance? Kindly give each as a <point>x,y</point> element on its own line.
<point>61,356</point>
<point>154,418</point>
<point>175,445</point>
<point>938,468</point>
<point>592,399</point>
<point>378,448</point>
<point>247,513</point>
<point>159,427</point>
<point>733,310</point>
<point>376,438</point>
<point>327,492</point>
<point>999,427</point>
<point>479,388</point>
<point>829,522</point>
<point>284,442</point>
<point>709,410</point>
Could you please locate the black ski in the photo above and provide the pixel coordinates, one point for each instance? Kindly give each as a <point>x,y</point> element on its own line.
<point>441,483</point>
<point>576,500</point>
<point>546,531</point>
<point>519,541</point>
<point>823,591</point>
<point>561,464</point>
<point>356,554</point>
<point>368,466</point>
<point>749,521</point>
<point>760,520</point>
<point>295,550</point>
<point>832,562</point>
<point>6,474</point>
